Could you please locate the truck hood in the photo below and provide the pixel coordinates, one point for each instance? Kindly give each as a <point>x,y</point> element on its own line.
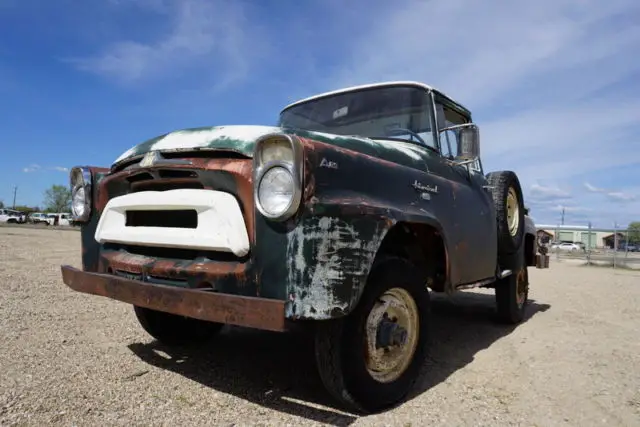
<point>242,139</point>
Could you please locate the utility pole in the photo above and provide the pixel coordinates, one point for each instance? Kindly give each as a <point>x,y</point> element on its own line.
<point>563,215</point>
<point>589,245</point>
<point>615,242</point>
<point>15,190</point>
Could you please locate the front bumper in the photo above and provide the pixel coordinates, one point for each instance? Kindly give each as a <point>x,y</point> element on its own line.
<point>260,313</point>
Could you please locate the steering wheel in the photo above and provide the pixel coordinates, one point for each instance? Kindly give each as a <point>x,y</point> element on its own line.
<point>400,131</point>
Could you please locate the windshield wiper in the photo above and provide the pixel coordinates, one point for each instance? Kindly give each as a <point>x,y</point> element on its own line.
<point>418,143</point>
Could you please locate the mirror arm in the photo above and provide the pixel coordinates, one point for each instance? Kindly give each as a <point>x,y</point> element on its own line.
<point>465,162</point>
<point>455,127</point>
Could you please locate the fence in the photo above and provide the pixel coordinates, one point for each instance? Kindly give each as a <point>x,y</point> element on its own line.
<point>605,257</point>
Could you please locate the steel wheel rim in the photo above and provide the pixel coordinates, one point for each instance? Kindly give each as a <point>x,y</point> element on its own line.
<point>513,211</point>
<point>389,363</point>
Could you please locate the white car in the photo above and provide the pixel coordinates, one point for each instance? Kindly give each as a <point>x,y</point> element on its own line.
<point>566,247</point>
<point>59,218</point>
<point>10,216</point>
<point>40,218</point>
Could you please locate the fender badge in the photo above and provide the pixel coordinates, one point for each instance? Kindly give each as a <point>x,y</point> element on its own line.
<point>328,164</point>
<point>421,187</point>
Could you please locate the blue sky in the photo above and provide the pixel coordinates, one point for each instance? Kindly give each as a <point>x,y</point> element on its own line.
<point>554,84</point>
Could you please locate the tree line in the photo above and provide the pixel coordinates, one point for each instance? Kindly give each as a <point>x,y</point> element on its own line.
<point>57,198</point>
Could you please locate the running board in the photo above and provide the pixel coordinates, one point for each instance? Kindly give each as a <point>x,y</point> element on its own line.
<point>485,282</point>
<point>505,273</point>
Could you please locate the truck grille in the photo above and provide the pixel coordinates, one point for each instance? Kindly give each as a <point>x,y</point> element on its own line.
<point>164,179</point>
<point>187,218</point>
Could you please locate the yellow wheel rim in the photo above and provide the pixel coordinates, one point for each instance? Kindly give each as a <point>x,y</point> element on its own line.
<point>513,212</point>
<point>387,363</point>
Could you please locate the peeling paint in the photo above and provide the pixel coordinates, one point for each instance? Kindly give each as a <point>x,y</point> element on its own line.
<point>242,139</point>
<point>330,261</point>
<point>242,135</point>
<point>239,138</point>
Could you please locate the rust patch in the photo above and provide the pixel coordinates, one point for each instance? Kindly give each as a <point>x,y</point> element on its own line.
<point>261,313</point>
<point>205,271</point>
<point>242,171</point>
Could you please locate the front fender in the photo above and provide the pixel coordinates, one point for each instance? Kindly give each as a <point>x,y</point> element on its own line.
<point>352,199</point>
<point>332,250</point>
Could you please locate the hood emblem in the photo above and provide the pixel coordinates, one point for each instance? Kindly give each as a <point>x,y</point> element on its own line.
<point>150,159</point>
<point>153,158</point>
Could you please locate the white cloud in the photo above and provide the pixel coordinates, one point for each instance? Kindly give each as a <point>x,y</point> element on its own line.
<point>620,196</point>
<point>213,38</point>
<point>35,167</point>
<point>615,195</point>
<point>594,189</point>
<point>478,50</point>
<point>560,208</point>
<point>541,193</point>
<point>31,168</point>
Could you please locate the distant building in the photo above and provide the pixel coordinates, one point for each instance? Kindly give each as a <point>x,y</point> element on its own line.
<point>595,238</point>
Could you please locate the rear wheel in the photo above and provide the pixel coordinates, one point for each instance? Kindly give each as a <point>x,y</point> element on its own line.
<point>370,359</point>
<point>512,295</point>
<point>172,329</point>
<point>508,201</point>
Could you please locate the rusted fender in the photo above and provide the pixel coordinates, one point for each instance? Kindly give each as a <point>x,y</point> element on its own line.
<point>351,202</point>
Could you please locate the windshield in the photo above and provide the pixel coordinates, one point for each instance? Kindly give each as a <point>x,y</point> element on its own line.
<point>394,112</point>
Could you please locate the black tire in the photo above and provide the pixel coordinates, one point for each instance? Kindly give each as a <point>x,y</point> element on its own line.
<point>512,296</point>
<point>341,343</point>
<point>175,330</point>
<point>500,183</point>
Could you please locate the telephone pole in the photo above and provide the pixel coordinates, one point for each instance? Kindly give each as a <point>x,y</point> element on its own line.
<point>15,190</point>
<point>563,215</point>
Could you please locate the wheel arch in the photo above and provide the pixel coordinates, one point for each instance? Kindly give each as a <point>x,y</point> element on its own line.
<point>424,245</point>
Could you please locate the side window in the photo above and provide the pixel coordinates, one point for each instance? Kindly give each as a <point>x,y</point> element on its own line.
<point>448,139</point>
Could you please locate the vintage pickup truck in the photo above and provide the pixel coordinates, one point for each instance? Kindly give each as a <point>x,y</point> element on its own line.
<point>342,218</point>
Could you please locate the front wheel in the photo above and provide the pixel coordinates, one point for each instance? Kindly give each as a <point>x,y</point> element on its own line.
<point>370,359</point>
<point>172,329</point>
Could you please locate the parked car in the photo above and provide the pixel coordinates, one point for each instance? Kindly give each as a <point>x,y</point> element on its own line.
<point>565,246</point>
<point>11,216</point>
<point>60,218</point>
<point>39,218</point>
<point>342,218</point>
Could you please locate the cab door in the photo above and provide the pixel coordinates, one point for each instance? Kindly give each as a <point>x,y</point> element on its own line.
<point>474,241</point>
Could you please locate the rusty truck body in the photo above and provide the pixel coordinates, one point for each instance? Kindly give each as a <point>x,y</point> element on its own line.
<point>343,217</point>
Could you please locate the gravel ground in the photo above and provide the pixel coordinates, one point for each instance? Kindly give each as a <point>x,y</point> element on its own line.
<point>72,359</point>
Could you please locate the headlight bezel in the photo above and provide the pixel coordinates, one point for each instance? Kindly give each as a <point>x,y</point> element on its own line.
<point>80,178</point>
<point>294,167</point>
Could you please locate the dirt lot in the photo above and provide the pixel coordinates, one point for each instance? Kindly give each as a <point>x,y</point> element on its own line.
<point>73,359</point>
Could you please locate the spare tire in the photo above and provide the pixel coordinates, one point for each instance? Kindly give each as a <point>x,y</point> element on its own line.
<point>507,198</point>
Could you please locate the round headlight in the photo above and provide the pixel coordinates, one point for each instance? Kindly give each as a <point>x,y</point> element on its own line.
<point>78,205</point>
<point>275,191</point>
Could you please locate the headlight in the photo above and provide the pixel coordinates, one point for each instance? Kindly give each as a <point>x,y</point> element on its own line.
<point>80,193</point>
<point>274,150</point>
<point>275,191</point>
<point>277,176</point>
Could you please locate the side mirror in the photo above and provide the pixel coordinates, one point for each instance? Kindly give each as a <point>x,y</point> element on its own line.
<point>468,137</point>
<point>469,140</point>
